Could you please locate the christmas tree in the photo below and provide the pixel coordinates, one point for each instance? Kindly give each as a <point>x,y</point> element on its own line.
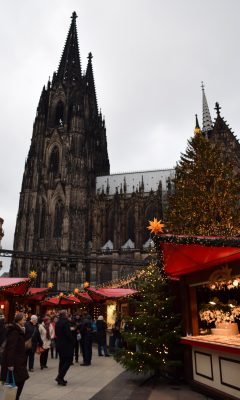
<point>206,196</point>
<point>151,343</point>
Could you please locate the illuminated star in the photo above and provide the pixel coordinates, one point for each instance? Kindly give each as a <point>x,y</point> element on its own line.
<point>155,226</point>
<point>32,274</point>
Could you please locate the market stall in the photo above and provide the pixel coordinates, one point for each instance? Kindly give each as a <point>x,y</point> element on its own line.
<point>110,302</point>
<point>29,302</point>
<point>10,289</point>
<point>209,272</point>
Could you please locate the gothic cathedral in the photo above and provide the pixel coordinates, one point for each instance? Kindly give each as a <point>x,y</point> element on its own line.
<point>67,203</point>
<point>76,221</point>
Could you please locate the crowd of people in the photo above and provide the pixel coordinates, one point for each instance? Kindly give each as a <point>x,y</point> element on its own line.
<point>61,336</point>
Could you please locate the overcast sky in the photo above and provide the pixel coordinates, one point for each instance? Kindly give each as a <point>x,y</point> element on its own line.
<point>149,58</point>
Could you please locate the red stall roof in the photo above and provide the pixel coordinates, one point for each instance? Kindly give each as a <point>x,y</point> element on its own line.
<point>14,286</point>
<point>60,300</point>
<point>109,293</point>
<point>36,294</point>
<point>181,258</point>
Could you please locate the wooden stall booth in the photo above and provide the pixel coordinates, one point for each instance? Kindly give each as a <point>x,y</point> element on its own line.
<point>29,302</point>
<point>110,302</point>
<point>209,272</point>
<point>10,290</point>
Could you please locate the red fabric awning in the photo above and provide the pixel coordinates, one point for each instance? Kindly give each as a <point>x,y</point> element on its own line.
<point>14,286</point>
<point>36,294</point>
<point>183,259</point>
<point>84,296</point>
<point>109,293</point>
<point>62,300</point>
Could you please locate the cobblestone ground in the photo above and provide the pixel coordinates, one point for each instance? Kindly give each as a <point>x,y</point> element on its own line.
<point>103,380</point>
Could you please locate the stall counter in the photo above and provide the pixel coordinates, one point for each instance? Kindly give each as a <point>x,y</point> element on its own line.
<point>216,363</point>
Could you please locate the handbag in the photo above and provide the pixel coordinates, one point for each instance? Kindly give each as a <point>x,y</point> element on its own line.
<point>39,350</point>
<point>28,343</point>
<point>9,389</point>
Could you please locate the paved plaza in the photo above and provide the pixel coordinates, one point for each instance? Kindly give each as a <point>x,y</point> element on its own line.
<point>103,380</point>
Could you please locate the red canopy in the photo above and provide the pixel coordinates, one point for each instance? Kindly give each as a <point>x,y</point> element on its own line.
<point>36,294</point>
<point>84,296</point>
<point>14,286</point>
<point>60,300</point>
<point>181,258</point>
<point>109,293</point>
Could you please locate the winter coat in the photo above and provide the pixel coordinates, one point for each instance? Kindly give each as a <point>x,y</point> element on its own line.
<point>64,341</point>
<point>32,331</point>
<point>101,332</point>
<point>14,354</point>
<point>3,331</point>
<point>43,333</point>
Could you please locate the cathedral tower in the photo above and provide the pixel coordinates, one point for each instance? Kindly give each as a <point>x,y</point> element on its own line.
<point>68,150</point>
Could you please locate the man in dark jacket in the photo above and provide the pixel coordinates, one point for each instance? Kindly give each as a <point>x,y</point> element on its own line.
<point>32,332</point>
<point>86,332</point>
<point>64,345</point>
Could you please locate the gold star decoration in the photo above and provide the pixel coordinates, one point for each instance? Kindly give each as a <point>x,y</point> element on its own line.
<point>50,285</point>
<point>86,284</point>
<point>32,274</point>
<point>76,290</point>
<point>155,226</point>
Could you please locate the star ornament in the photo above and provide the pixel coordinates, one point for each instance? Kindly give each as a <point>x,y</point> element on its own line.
<point>155,226</point>
<point>32,275</point>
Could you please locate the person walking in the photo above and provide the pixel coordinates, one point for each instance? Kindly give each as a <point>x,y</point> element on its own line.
<point>14,355</point>
<point>32,332</point>
<point>86,333</point>
<point>78,336</point>
<point>65,346</point>
<point>46,332</point>
<point>3,333</point>
<point>53,339</point>
<point>102,336</point>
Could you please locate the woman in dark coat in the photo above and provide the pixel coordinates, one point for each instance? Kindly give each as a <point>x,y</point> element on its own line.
<point>14,355</point>
<point>101,336</point>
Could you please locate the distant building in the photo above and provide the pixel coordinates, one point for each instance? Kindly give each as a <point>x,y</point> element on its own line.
<point>70,204</point>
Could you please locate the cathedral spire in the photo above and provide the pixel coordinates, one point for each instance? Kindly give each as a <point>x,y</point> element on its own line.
<point>207,120</point>
<point>90,85</point>
<point>69,70</point>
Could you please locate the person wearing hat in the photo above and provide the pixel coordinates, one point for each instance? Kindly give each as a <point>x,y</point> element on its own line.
<point>14,356</point>
<point>32,332</point>
<point>102,336</point>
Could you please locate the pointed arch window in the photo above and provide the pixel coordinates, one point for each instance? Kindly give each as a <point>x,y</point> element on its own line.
<point>59,113</point>
<point>111,226</point>
<point>42,221</point>
<point>131,225</point>
<point>58,220</point>
<point>54,160</point>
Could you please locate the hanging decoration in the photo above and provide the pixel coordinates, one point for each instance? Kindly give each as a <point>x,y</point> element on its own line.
<point>86,284</point>
<point>155,226</point>
<point>76,290</point>
<point>211,241</point>
<point>32,274</point>
<point>50,285</point>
